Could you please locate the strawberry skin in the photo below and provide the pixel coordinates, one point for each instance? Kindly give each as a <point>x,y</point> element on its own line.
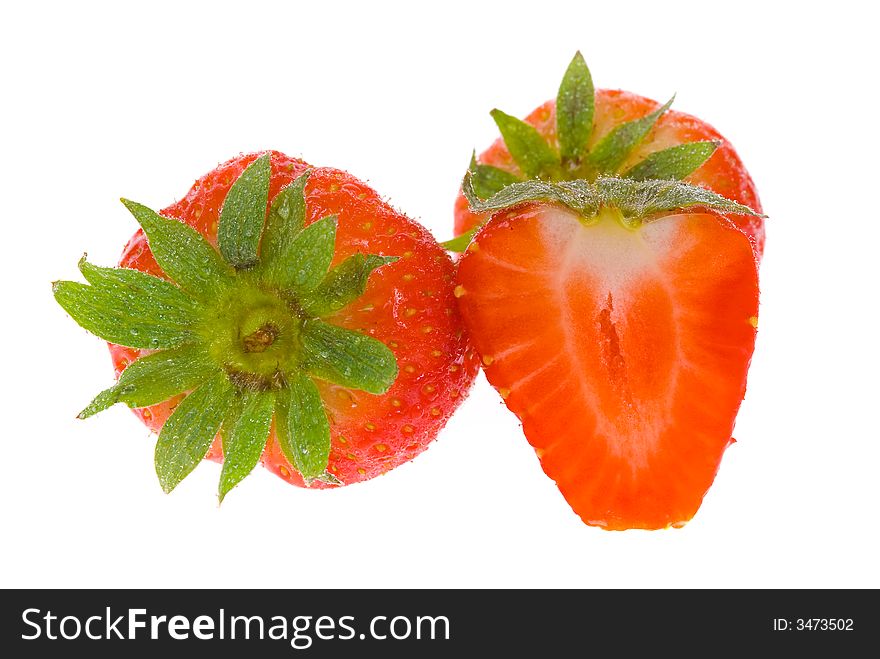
<point>406,306</point>
<point>623,353</point>
<point>723,173</point>
<point>409,306</point>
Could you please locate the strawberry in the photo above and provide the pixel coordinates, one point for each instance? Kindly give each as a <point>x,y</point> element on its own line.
<point>612,294</point>
<point>284,314</point>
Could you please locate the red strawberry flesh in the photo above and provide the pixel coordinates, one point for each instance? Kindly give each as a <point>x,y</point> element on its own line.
<point>624,352</point>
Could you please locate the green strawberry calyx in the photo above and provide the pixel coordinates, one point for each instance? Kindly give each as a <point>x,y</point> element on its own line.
<point>589,178</point>
<point>244,329</point>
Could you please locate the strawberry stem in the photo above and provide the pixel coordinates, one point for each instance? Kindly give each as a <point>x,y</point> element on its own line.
<point>260,339</point>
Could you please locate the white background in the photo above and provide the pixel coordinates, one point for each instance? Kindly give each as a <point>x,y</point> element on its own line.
<point>139,99</point>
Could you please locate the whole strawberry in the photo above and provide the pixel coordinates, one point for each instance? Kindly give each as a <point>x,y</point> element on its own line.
<point>610,285</point>
<point>284,313</point>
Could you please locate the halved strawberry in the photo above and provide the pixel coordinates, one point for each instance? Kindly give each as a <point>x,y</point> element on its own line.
<point>615,314</point>
<point>292,310</point>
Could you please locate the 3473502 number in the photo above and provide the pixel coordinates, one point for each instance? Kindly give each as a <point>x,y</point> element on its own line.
<point>824,624</point>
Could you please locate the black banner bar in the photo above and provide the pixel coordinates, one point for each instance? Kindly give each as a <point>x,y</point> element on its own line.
<point>315,623</point>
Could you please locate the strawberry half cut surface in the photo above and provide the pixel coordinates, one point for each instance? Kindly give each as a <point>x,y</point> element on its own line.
<point>283,313</point>
<point>614,307</point>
